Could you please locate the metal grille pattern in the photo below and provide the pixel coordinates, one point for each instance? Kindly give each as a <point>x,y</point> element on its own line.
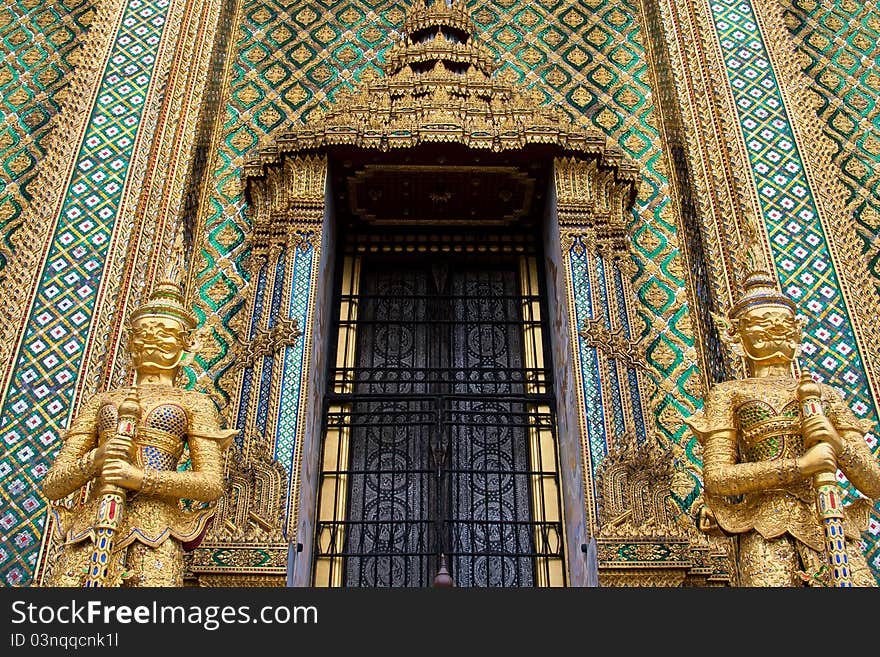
<point>433,443</point>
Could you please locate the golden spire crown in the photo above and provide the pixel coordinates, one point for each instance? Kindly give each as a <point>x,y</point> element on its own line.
<point>166,299</point>
<point>759,289</point>
<point>439,36</point>
<point>759,286</point>
<point>422,15</point>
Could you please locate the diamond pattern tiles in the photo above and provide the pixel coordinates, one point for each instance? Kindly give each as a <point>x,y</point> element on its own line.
<point>38,399</point>
<point>841,42</point>
<point>39,43</point>
<point>799,248</point>
<point>289,410</point>
<point>800,251</point>
<point>592,384</point>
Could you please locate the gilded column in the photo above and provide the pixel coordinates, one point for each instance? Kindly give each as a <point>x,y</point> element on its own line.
<point>590,209</point>
<point>288,210</point>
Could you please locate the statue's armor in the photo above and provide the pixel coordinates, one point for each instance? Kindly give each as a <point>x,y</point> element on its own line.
<point>766,435</point>
<point>169,418</point>
<point>764,417</point>
<point>159,441</point>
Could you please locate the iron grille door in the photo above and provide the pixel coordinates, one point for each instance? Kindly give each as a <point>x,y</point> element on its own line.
<point>439,432</point>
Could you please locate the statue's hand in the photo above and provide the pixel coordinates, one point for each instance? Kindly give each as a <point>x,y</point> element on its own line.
<point>706,521</point>
<point>123,474</point>
<point>112,449</point>
<point>819,458</point>
<point>817,428</point>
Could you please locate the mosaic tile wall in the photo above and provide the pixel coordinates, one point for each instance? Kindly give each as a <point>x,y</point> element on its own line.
<point>43,382</point>
<point>305,258</point>
<point>588,57</point>
<point>788,205</point>
<point>585,308</point>
<point>840,43</point>
<point>39,43</point>
<point>290,297</point>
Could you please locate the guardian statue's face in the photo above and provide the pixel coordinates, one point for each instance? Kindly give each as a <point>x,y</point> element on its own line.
<point>770,334</point>
<point>157,343</point>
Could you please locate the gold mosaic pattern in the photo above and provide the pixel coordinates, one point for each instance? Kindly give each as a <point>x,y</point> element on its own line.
<point>839,48</point>
<point>41,41</point>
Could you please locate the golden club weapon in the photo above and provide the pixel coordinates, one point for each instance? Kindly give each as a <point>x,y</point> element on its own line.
<point>111,508</point>
<point>828,495</point>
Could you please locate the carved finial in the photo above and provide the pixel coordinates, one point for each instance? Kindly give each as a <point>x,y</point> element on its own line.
<point>759,286</point>
<point>174,265</point>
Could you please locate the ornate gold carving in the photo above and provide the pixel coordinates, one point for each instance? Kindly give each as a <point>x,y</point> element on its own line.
<point>634,483</point>
<point>644,539</point>
<point>614,343</point>
<point>242,581</point>
<point>587,194</point>
<point>253,508</point>
<point>247,536</point>
<point>442,88</point>
<point>266,342</point>
<point>763,453</point>
<point>288,200</point>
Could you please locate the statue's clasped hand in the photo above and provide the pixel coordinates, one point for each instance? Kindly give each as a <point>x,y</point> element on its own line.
<point>816,429</point>
<point>822,442</point>
<point>122,473</point>
<point>113,449</point>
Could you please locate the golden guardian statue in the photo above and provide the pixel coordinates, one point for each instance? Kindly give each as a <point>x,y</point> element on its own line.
<point>140,511</point>
<point>772,444</point>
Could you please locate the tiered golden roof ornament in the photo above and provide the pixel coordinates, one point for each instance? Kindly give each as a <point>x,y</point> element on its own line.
<point>440,86</point>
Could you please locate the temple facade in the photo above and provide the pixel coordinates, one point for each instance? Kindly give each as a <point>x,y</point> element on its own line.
<point>456,267</point>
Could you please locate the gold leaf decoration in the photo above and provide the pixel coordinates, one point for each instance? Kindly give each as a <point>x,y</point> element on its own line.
<point>269,117</point>
<point>301,55</point>
<point>602,75</point>
<point>597,36</point>
<point>325,35</point>
<point>261,15</point>
<point>242,140</point>
<point>296,94</point>
<point>871,145</point>
<point>276,74</point>
<point>663,355</point>
<point>656,296</point>
<point>577,56</point>
<point>20,163</point>
<point>628,98</point>
<point>607,119</point>
<point>248,95</point>
<point>306,16</point>
<point>350,15</point>
<point>572,18</point>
